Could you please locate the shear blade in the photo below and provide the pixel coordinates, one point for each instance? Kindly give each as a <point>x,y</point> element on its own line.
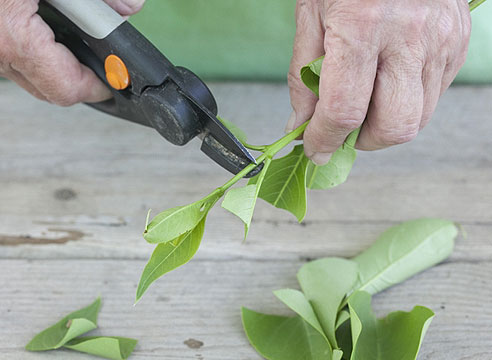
<point>220,144</point>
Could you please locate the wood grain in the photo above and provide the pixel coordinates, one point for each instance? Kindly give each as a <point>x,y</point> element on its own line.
<point>76,185</point>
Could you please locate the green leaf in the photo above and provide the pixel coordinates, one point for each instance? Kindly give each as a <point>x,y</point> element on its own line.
<point>403,251</point>
<point>234,129</point>
<point>298,303</point>
<point>284,338</point>
<point>74,324</point>
<point>116,348</point>
<point>172,223</point>
<point>310,74</point>
<point>398,336</point>
<point>284,185</point>
<point>168,256</point>
<point>338,168</point>
<point>242,201</point>
<point>325,283</point>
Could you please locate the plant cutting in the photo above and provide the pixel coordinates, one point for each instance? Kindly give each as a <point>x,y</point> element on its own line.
<point>334,318</point>
<point>282,182</point>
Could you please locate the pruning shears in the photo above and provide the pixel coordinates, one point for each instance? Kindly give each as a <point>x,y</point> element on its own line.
<point>147,88</point>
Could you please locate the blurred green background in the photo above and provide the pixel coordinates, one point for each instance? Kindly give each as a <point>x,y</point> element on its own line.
<point>252,39</point>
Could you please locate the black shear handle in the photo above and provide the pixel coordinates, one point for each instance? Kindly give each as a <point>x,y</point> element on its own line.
<point>155,95</point>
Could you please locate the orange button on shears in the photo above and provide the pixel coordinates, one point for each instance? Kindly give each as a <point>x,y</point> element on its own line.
<point>116,72</point>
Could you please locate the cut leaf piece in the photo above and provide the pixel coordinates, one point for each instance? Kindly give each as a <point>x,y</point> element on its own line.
<point>397,336</point>
<point>116,348</point>
<point>234,129</point>
<point>284,185</point>
<point>403,251</point>
<point>75,324</point>
<point>325,283</point>
<point>338,168</point>
<point>169,256</point>
<point>298,303</point>
<point>284,338</point>
<point>242,201</point>
<point>337,354</point>
<point>172,223</point>
<point>310,75</point>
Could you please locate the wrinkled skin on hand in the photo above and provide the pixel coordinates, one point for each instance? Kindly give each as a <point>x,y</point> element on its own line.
<point>30,56</point>
<point>386,65</point>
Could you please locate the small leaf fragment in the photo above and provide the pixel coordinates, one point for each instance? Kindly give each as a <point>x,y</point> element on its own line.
<point>337,354</point>
<point>284,185</point>
<point>168,256</point>
<point>74,324</point>
<point>172,223</point>
<point>397,336</point>
<point>310,75</point>
<point>115,348</point>
<point>284,338</point>
<point>325,282</point>
<point>403,251</point>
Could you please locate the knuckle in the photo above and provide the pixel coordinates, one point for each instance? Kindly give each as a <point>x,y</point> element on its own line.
<point>395,136</point>
<point>341,116</point>
<point>293,78</point>
<point>345,123</point>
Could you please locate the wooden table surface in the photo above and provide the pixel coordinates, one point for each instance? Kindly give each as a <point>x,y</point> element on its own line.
<point>75,187</point>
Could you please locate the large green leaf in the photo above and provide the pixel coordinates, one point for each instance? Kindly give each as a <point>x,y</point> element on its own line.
<point>325,283</point>
<point>310,74</point>
<point>298,303</point>
<point>172,223</point>
<point>74,324</point>
<point>168,256</point>
<point>284,185</point>
<point>115,348</point>
<point>403,251</point>
<point>284,338</point>
<point>336,171</point>
<point>242,201</point>
<point>398,336</point>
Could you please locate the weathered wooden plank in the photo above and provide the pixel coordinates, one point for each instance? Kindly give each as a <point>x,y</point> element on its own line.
<point>202,300</point>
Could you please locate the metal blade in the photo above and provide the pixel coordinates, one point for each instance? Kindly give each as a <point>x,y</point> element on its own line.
<point>219,143</point>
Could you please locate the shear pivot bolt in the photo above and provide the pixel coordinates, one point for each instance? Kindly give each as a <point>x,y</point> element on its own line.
<point>116,72</point>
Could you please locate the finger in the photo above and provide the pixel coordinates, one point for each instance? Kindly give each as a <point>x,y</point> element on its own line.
<point>346,84</point>
<point>457,59</point>
<point>395,112</point>
<point>126,7</point>
<point>308,45</point>
<point>53,70</point>
<point>432,76</point>
<point>20,80</point>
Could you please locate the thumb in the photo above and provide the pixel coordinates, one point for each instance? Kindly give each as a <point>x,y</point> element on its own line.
<point>308,45</point>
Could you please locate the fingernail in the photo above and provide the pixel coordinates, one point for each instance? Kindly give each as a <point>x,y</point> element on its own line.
<point>290,124</point>
<point>321,158</point>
